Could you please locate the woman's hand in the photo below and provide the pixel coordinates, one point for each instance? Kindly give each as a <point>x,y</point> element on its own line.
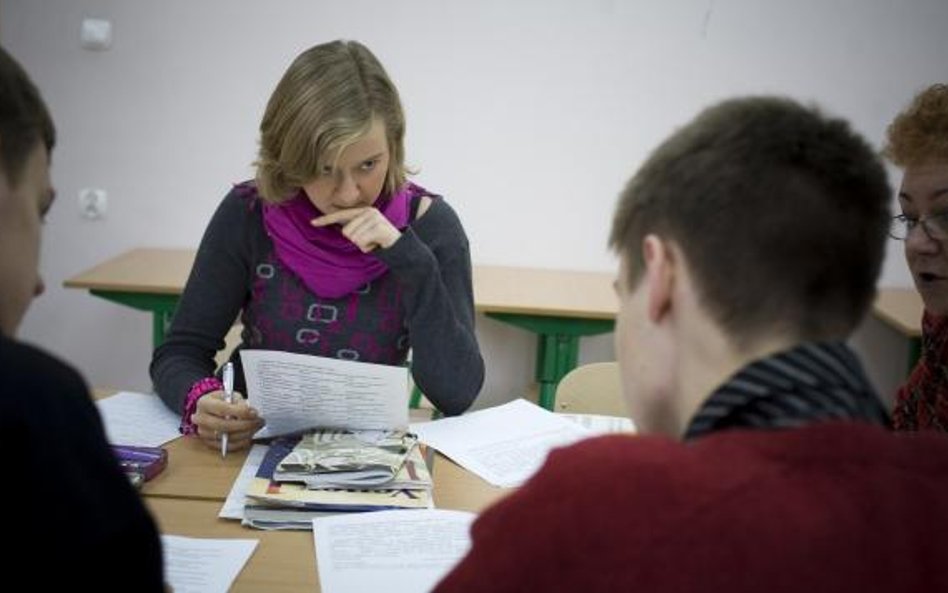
<point>214,416</point>
<point>366,227</point>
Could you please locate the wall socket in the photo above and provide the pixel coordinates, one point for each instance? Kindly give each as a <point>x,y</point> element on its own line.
<point>93,203</point>
<point>96,34</point>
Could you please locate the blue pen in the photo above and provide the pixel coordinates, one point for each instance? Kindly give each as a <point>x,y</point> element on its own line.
<point>228,397</point>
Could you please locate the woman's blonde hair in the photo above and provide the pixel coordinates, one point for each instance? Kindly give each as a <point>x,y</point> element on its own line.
<point>919,135</point>
<point>325,101</point>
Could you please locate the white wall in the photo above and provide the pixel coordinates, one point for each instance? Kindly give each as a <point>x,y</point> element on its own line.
<point>529,116</point>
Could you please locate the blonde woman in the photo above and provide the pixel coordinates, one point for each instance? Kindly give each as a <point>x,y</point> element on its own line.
<point>330,251</point>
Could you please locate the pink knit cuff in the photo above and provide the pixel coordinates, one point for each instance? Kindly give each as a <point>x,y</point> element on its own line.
<point>199,389</point>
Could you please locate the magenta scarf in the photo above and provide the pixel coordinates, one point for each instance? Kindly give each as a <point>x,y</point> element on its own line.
<point>328,263</point>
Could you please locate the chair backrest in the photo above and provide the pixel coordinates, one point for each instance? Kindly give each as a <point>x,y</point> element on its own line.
<point>591,389</point>
<point>231,341</point>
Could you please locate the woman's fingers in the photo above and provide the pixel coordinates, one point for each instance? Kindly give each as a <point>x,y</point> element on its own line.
<point>366,227</point>
<point>214,417</point>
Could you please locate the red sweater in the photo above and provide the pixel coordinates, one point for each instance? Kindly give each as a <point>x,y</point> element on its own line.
<point>922,403</point>
<point>830,507</point>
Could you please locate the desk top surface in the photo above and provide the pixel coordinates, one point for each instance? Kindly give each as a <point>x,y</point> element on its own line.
<point>187,496</point>
<point>902,309</point>
<point>197,472</point>
<point>497,289</point>
<point>282,561</point>
<point>144,270</point>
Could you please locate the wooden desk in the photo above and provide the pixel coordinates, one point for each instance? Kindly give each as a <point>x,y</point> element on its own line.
<point>146,279</point>
<point>558,306</point>
<point>902,309</point>
<point>186,498</point>
<point>283,560</point>
<point>196,472</point>
<point>286,560</point>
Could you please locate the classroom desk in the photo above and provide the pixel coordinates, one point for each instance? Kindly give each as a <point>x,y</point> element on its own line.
<point>186,498</point>
<point>282,561</point>
<point>187,503</point>
<point>901,309</point>
<point>286,560</point>
<point>559,307</point>
<point>145,279</point>
<point>197,472</point>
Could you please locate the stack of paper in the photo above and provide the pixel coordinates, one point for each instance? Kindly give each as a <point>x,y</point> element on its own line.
<point>275,504</point>
<point>390,551</point>
<point>505,444</point>
<point>347,459</point>
<point>197,565</point>
<point>137,419</point>
<point>355,454</point>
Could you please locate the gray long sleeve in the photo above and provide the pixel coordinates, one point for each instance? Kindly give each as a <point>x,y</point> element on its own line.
<point>236,272</point>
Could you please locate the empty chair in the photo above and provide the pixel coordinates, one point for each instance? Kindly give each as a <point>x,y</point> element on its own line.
<point>591,389</point>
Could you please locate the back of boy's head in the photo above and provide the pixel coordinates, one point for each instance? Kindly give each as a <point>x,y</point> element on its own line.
<point>24,119</point>
<point>781,214</point>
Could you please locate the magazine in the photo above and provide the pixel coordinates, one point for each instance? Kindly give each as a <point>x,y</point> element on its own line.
<point>343,458</point>
<point>264,490</point>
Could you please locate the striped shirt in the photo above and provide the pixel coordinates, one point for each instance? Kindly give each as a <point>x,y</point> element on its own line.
<point>809,383</point>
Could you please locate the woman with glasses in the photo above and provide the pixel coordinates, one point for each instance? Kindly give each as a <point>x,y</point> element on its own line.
<point>918,143</point>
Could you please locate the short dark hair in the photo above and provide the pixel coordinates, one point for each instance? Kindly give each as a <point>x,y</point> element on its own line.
<point>24,118</point>
<point>780,212</point>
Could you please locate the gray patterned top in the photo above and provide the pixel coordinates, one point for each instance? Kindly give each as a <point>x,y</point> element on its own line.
<point>424,302</point>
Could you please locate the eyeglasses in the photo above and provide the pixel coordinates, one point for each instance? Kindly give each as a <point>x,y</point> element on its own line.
<point>935,226</point>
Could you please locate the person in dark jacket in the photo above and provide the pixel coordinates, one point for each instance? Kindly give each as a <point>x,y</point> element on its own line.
<point>70,512</point>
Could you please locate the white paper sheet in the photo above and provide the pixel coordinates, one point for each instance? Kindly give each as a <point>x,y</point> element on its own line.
<point>294,392</point>
<point>404,551</point>
<point>237,498</point>
<point>602,424</point>
<point>138,419</point>
<point>198,565</point>
<point>506,444</point>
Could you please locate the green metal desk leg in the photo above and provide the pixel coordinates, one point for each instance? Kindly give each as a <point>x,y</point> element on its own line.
<point>556,355</point>
<point>161,322</point>
<point>557,345</point>
<point>161,306</point>
<point>415,399</point>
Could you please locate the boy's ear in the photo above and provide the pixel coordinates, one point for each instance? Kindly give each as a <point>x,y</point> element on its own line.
<point>659,276</point>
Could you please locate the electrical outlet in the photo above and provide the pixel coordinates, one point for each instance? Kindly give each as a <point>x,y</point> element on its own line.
<point>96,34</point>
<point>93,203</point>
